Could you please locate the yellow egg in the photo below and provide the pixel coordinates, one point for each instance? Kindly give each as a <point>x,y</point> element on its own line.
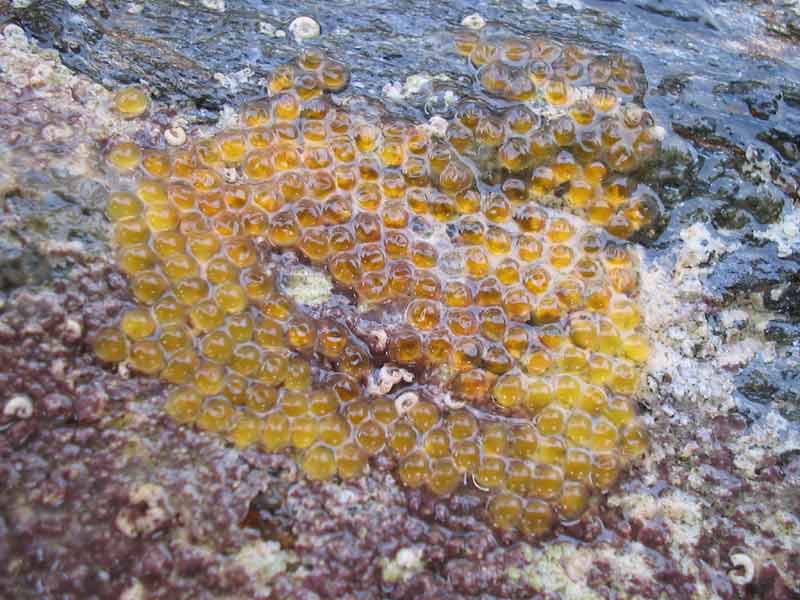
<point>131,102</point>
<point>319,463</point>
<point>110,345</point>
<point>125,156</point>
<point>487,263</point>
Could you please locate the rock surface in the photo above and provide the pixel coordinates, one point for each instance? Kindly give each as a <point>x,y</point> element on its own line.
<point>105,497</point>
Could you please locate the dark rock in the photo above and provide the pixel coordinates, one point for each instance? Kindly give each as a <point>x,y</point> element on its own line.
<point>785,143</point>
<point>761,100</point>
<point>766,207</point>
<point>784,299</point>
<point>730,217</point>
<point>773,384</point>
<point>20,266</point>
<point>751,269</point>
<point>782,331</point>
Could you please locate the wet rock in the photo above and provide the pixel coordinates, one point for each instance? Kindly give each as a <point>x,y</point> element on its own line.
<point>785,143</point>
<point>782,19</point>
<point>20,266</point>
<point>674,177</point>
<point>784,299</point>
<point>752,269</point>
<point>765,206</point>
<point>782,331</point>
<point>773,385</point>
<point>761,101</point>
<point>243,523</point>
<point>730,217</point>
<point>680,10</point>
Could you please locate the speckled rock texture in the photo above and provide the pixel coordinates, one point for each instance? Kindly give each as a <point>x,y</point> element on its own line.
<point>103,496</point>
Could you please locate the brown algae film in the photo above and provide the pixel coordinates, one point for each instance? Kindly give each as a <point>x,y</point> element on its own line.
<point>501,243</point>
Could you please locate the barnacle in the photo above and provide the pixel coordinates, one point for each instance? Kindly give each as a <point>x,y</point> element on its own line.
<point>501,245</point>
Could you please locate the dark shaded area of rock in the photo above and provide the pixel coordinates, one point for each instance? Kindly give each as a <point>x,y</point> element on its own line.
<point>763,102</point>
<point>21,266</point>
<point>753,269</point>
<point>786,299</point>
<point>782,331</point>
<point>684,11</point>
<point>774,384</point>
<point>786,143</point>
<point>730,217</point>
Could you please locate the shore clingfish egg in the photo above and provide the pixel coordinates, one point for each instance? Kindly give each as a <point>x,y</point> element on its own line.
<point>520,316</point>
<point>131,102</point>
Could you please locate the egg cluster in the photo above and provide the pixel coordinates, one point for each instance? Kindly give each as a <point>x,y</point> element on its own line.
<point>587,139</point>
<point>522,315</point>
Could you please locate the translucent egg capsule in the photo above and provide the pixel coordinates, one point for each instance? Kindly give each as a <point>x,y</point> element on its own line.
<point>537,518</point>
<point>490,472</point>
<point>125,156</point>
<point>524,312</point>
<point>110,345</point>
<point>504,511</point>
<point>131,102</point>
<point>146,357</point>
<point>414,470</point>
